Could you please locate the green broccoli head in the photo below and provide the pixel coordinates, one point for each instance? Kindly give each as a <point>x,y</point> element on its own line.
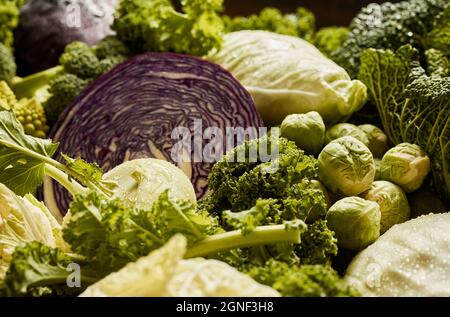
<point>63,89</point>
<point>111,47</point>
<point>7,64</point>
<point>79,59</point>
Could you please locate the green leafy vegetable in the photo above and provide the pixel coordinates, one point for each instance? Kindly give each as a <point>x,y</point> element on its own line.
<point>247,220</point>
<point>9,19</point>
<point>20,156</point>
<point>439,36</point>
<point>112,235</point>
<point>25,160</point>
<point>155,25</point>
<point>437,63</point>
<point>329,39</point>
<point>22,221</point>
<point>237,185</point>
<point>39,270</point>
<point>413,106</point>
<point>302,281</point>
<point>318,246</point>
<point>389,26</point>
<point>301,23</point>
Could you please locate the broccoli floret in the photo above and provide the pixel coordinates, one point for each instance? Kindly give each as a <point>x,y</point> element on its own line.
<point>7,64</point>
<point>63,89</point>
<point>111,47</point>
<point>329,39</point>
<point>29,112</point>
<point>301,281</point>
<point>57,87</point>
<point>9,19</point>
<point>80,59</point>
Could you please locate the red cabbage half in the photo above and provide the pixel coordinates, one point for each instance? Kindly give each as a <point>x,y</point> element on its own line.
<point>131,111</point>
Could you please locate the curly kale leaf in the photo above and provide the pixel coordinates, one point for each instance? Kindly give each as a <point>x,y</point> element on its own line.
<point>39,270</point>
<point>155,25</point>
<point>301,281</point>
<point>388,26</point>
<point>318,246</point>
<point>300,24</point>
<point>112,235</point>
<point>413,106</point>
<point>237,182</point>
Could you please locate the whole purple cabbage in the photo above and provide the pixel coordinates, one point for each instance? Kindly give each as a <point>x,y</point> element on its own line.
<point>47,26</point>
<point>131,112</point>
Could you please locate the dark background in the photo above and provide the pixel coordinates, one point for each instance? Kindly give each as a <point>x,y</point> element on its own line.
<point>327,12</point>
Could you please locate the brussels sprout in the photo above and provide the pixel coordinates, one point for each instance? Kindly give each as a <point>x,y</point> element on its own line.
<point>345,129</point>
<point>306,130</point>
<point>393,203</point>
<point>377,168</point>
<point>378,141</point>
<point>355,221</point>
<point>346,166</point>
<point>424,201</point>
<point>406,165</point>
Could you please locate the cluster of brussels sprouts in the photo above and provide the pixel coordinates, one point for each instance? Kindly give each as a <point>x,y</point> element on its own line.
<point>366,180</point>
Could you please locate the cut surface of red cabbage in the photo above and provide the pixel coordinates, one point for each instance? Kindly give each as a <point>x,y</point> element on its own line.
<point>131,112</point>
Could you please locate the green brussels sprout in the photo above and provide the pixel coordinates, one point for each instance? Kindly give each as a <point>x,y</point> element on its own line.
<point>424,202</point>
<point>377,162</point>
<point>346,166</point>
<point>393,203</point>
<point>355,221</point>
<point>406,165</point>
<point>378,141</point>
<point>345,129</point>
<point>306,130</point>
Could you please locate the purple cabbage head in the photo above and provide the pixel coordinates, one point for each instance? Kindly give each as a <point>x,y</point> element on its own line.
<point>151,106</point>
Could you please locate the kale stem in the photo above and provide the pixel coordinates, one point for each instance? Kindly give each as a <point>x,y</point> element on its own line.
<point>262,235</point>
<point>72,186</point>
